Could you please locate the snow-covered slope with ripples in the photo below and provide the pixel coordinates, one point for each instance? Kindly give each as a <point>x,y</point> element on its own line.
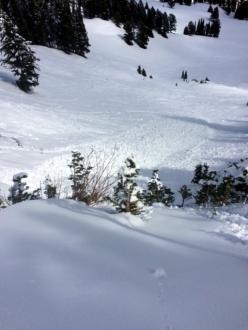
<point>102,101</point>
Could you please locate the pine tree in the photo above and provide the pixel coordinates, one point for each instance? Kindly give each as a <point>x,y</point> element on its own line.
<point>171,3</point>
<point>240,187</point>
<point>207,30</point>
<point>156,192</point>
<point>80,177</point>
<point>127,196</point>
<point>191,28</point>
<point>186,31</point>
<point>200,29</point>
<point>165,28</point>
<point>65,33</point>
<point>215,28</point>
<point>143,72</point>
<point>159,22</point>
<point>172,23</point>
<point>18,56</point>
<point>223,192</point>
<point>215,14</point>
<point>129,33</point>
<point>150,21</point>
<point>80,38</point>
<point>210,9</point>
<point>202,173</point>
<point>50,188</point>
<point>141,37</point>
<point>185,193</point>
<point>188,2</point>
<point>19,190</point>
<point>207,181</point>
<point>185,75</point>
<point>242,10</point>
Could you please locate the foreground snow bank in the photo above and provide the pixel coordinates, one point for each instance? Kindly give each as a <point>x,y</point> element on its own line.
<point>66,266</point>
<point>233,220</point>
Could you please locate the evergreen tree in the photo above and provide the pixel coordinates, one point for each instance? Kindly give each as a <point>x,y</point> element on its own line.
<point>202,173</point>
<point>207,182</point>
<point>242,11</point>
<point>19,190</point>
<point>191,28</point>
<point>143,72</point>
<point>141,37</point>
<point>207,31</point>
<point>223,192</point>
<point>200,29</point>
<point>157,192</point>
<point>210,9</point>
<point>80,177</point>
<point>172,23</point>
<point>129,33</point>
<point>188,2</point>
<point>36,194</point>
<point>150,21</point>
<point>171,3</point>
<point>50,188</point>
<point>80,38</point>
<point>185,193</point>
<point>186,30</point>
<point>240,187</point>
<point>215,28</point>
<point>159,22</point>
<point>185,75</point>
<point>17,55</point>
<point>127,196</point>
<point>165,28</point>
<point>215,14</point>
<point>65,36</point>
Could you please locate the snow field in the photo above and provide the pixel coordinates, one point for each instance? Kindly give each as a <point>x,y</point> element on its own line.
<point>64,265</point>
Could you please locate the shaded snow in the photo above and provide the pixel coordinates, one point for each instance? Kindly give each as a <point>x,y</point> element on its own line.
<point>65,266</point>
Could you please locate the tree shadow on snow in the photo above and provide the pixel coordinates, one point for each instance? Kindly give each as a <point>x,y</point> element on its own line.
<point>7,78</point>
<point>105,215</point>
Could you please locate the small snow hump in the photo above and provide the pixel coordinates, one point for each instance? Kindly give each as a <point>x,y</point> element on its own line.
<point>19,176</point>
<point>158,273</point>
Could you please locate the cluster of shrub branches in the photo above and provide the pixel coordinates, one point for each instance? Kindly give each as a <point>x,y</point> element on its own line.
<point>92,182</point>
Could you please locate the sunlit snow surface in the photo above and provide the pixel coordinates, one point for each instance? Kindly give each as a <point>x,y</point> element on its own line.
<point>65,266</point>
<point>102,101</point>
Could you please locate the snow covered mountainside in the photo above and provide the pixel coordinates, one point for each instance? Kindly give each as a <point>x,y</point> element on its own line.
<point>66,266</point>
<point>102,101</point>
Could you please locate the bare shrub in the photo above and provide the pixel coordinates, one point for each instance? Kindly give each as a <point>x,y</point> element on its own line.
<point>91,176</point>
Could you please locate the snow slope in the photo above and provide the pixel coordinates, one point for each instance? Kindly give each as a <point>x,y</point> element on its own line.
<point>65,266</point>
<point>102,101</point>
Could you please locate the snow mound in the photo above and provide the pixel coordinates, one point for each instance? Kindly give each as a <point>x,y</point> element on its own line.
<point>66,266</point>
